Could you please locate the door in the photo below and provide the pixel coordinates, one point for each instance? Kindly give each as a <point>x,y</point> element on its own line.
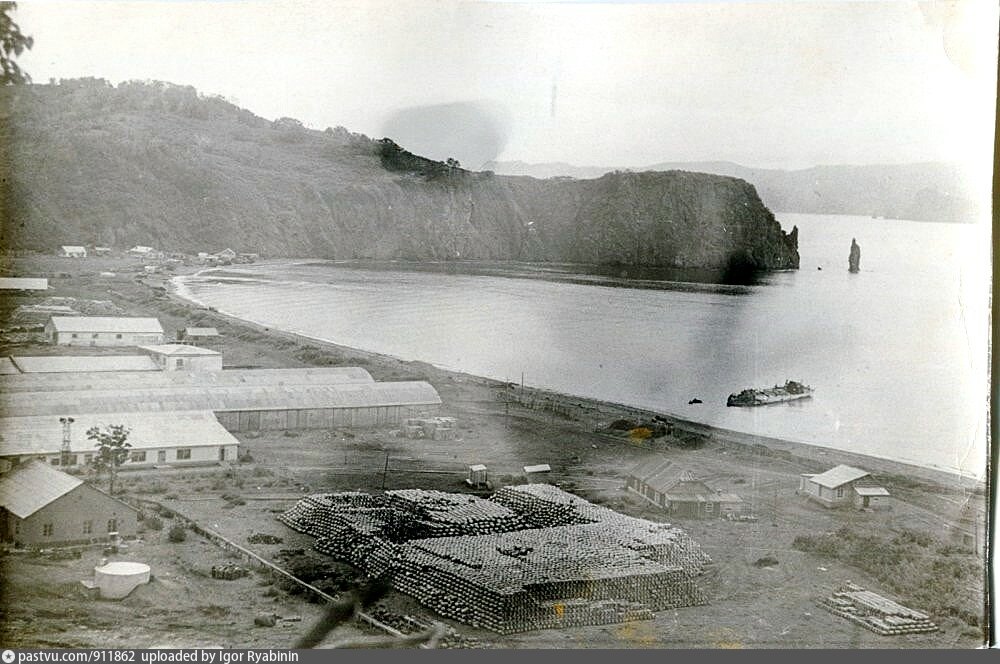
<point>161,456</point>
<point>866,499</point>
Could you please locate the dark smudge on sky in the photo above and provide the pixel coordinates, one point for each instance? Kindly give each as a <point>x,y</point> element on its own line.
<point>474,132</point>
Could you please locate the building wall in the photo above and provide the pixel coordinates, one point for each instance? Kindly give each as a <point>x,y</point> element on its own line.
<point>67,517</point>
<point>318,418</point>
<point>842,495</point>
<point>192,363</point>
<point>874,502</point>
<point>100,338</point>
<point>158,456</point>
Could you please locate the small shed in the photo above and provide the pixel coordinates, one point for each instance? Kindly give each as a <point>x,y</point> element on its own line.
<point>103,331</point>
<point>141,251</point>
<point>537,468</point>
<point>226,254</point>
<point>24,283</point>
<point>199,335</point>
<point>182,357</point>
<point>477,476</point>
<point>871,497</point>
<point>836,487</point>
<point>72,251</point>
<point>102,251</point>
<point>41,506</point>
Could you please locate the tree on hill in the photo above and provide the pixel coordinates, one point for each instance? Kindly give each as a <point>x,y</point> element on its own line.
<point>112,450</point>
<point>12,43</point>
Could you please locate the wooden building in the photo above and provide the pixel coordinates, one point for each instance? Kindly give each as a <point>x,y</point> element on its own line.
<point>103,331</point>
<point>181,357</point>
<point>42,507</point>
<point>843,486</point>
<point>85,364</point>
<point>671,487</point>
<point>178,438</point>
<point>202,336</point>
<point>239,407</point>
<point>24,283</point>
<point>72,251</point>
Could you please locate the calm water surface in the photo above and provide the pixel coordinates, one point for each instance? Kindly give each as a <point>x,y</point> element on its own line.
<point>897,353</point>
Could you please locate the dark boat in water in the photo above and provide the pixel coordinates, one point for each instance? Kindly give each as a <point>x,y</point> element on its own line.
<point>790,391</point>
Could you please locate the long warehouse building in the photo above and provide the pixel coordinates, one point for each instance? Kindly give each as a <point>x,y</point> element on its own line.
<point>156,439</point>
<point>132,380</point>
<point>245,407</point>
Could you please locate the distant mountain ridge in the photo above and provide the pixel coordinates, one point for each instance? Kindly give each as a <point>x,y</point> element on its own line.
<point>157,164</point>
<point>929,191</point>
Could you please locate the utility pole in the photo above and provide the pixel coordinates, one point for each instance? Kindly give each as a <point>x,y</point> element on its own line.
<point>385,471</point>
<point>65,451</point>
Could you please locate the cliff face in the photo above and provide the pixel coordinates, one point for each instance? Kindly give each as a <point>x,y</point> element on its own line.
<point>159,165</point>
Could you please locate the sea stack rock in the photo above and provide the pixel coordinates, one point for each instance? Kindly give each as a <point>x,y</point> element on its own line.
<point>854,260</point>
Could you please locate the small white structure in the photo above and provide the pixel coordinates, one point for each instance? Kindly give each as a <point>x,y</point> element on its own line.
<point>537,468</point>
<point>102,251</point>
<point>103,331</point>
<point>477,476</point>
<point>118,579</point>
<point>203,335</point>
<point>141,251</point>
<point>72,251</point>
<point>843,485</point>
<point>23,283</point>
<point>181,357</point>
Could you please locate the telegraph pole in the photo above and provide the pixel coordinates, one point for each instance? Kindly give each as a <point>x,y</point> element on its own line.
<point>65,451</point>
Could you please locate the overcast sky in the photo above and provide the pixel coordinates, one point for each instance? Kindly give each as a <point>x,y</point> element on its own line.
<point>786,84</point>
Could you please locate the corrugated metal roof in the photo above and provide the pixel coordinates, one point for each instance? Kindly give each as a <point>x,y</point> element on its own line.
<point>227,398</point>
<point>84,363</point>
<point>7,367</point>
<point>838,476</point>
<point>147,380</point>
<point>31,486</point>
<point>43,434</point>
<point>107,324</point>
<point>871,491</point>
<point>180,350</point>
<point>201,332</point>
<point>23,283</point>
<point>73,247</point>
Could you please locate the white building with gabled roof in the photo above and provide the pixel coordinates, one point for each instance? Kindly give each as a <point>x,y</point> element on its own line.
<point>103,331</point>
<point>72,251</point>
<point>844,485</point>
<point>182,357</point>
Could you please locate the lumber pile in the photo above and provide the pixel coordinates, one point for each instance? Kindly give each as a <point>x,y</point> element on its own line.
<point>530,557</point>
<point>875,612</point>
<point>434,428</point>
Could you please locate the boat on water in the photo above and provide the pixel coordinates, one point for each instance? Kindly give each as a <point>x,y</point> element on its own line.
<point>790,391</point>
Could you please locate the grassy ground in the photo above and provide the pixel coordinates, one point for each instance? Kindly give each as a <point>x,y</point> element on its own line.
<point>752,605</point>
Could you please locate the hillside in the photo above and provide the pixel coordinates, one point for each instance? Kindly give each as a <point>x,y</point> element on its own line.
<point>157,164</point>
<point>920,192</point>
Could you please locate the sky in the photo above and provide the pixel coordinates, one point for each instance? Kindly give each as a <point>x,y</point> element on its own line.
<point>785,84</point>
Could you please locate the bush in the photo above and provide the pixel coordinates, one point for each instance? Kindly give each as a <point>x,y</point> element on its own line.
<point>153,523</point>
<point>177,534</point>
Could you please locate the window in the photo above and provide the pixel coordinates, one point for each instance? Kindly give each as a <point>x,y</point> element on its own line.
<point>840,492</point>
<point>138,456</point>
<point>161,456</point>
<point>55,461</point>
<point>709,508</point>
<point>73,336</point>
<point>94,335</point>
<point>118,336</point>
<point>222,454</point>
<point>178,363</point>
<point>17,527</point>
<point>71,460</point>
<point>47,530</point>
<point>112,525</point>
<point>183,453</point>
<point>88,527</point>
<point>88,459</point>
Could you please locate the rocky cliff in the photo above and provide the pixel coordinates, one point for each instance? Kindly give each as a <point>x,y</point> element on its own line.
<point>158,164</point>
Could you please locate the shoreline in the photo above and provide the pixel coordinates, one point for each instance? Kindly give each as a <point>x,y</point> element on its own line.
<point>775,448</point>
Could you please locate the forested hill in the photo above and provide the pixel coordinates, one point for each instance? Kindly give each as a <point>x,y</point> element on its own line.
<point>929,191</point>
<point>157,164</point>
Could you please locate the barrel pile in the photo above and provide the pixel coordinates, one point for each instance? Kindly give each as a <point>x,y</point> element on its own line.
<point>876,613</point>
<point>530,557</point>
